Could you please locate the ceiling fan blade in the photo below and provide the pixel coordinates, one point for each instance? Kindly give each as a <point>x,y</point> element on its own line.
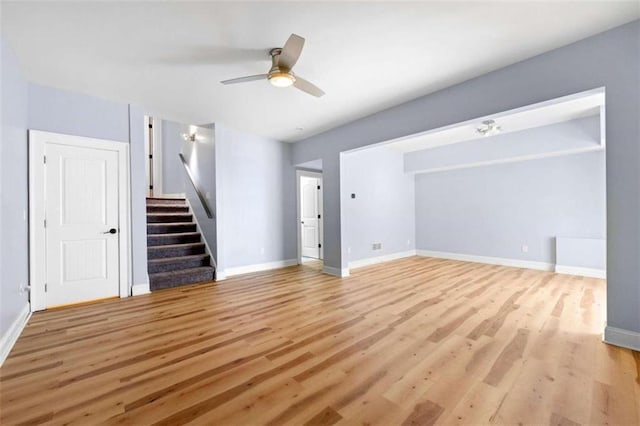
<point>245,79</point>
<point>308,87</point>
<point>291,52</point>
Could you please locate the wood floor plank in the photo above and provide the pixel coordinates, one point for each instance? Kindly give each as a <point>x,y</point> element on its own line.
<point>413,341</point>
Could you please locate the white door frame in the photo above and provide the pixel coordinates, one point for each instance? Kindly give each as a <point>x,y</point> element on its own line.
<point>37,246</point>
<point>299,174</point>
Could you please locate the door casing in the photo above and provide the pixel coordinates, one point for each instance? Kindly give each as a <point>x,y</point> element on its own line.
<point>37,247</point>
<point>300,173</point>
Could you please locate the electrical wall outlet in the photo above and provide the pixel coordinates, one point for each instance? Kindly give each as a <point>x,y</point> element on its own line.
<point>525,249</point>
<point>376,246</point>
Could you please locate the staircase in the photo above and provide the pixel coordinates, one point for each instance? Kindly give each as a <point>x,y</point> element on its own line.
<point>176,255</point>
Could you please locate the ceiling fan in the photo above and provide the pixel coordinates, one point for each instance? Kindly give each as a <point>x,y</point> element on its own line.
<point>281,74</point>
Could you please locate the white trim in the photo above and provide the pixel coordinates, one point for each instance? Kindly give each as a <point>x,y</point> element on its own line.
<point>299,174</point>
<point>139,289</point>
<point>584,272</point>
<point>37,247</point>
<point>621,337</point>
<point>13,332</point>
<point>516,263</point>
<point>157,156</point>
<point>380,259</point>
<point>340,273</point>
<point>510,160</point>
<point>147,172</point>
<point>238,270</point>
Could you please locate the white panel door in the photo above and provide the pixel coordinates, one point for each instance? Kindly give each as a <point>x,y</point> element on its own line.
<point>309,216</point>
<point>81,231</point>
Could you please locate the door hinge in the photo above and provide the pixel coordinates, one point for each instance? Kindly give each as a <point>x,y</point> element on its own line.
<point>150,126</point>
<point>318,216</point>
<point>319,245</point>
<point>45,287</point>
<point>150,186</point>
<point>318,186</point>
<point>45,223</point>
<point>45,159</point>
<point>150,157</point>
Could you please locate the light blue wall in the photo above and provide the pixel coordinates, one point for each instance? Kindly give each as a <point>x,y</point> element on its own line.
<point>577,134</point>
<point>384,208</point>
<point>13,190</point>
<point>201,158</point>
<point>173,179</point>
<point>610,59</point>
<point>255,199</point>
<point>493,211</point>
<point>588,253</point>
<point>60,111</point>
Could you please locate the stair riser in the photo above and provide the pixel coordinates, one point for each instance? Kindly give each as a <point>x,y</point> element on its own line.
<point>164,239</point>
<point>154,268</point>
<point>176,201</point>
<point>168,282</point>
<point>162,252</point>
<point>167,209</point>
<point>168,218</point>
<point>171,229</point>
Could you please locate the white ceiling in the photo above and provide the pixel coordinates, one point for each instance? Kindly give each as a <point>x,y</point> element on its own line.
<point>170,56</point>
<point>543,114</point>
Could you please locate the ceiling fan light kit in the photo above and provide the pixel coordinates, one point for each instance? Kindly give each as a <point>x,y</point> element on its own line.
<point>281,74</point>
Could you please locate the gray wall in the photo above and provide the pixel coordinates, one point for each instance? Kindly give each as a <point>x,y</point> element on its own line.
<point>610,59</point>
<point>173,179</point>
<point>13,189</point>
<point>383,210</point>
<point>493,211</point>
<point>201,158</point>
<point>255,199</point>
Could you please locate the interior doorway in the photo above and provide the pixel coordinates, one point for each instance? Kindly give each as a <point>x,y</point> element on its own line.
<point>79,219</point>
<point>310,216</point>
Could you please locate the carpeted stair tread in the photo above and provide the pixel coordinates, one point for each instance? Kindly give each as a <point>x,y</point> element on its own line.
<point>170,227</point>
<point>176,263</point>
<point>169,217</point>
<point>185,276</point>
<point>175,250</point>
<point>154,240</point>
<point>167,208</point>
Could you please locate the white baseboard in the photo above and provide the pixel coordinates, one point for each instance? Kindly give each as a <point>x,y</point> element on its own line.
<point>621,337</point>
<point>517,263</point>
<point>584,272</point>
<point>238,270</point>
<point>380,259</point>
<point>138,289</point>
<point>11,336</point>
<point>340,273</point>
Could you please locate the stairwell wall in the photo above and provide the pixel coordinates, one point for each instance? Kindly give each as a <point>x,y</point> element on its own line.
<point>255,184</point>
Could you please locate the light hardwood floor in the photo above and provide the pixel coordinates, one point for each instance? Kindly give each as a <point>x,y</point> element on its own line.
<point>415,341</point>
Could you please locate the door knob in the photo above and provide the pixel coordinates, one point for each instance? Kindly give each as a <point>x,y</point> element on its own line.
<point>111,231</point>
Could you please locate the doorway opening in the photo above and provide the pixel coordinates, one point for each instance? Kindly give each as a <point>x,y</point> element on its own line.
<point>310,218</point>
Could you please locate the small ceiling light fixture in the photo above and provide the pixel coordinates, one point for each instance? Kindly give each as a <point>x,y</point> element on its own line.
<point>489,128</point>
<point>191,137</point>
<point>281,79</point>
